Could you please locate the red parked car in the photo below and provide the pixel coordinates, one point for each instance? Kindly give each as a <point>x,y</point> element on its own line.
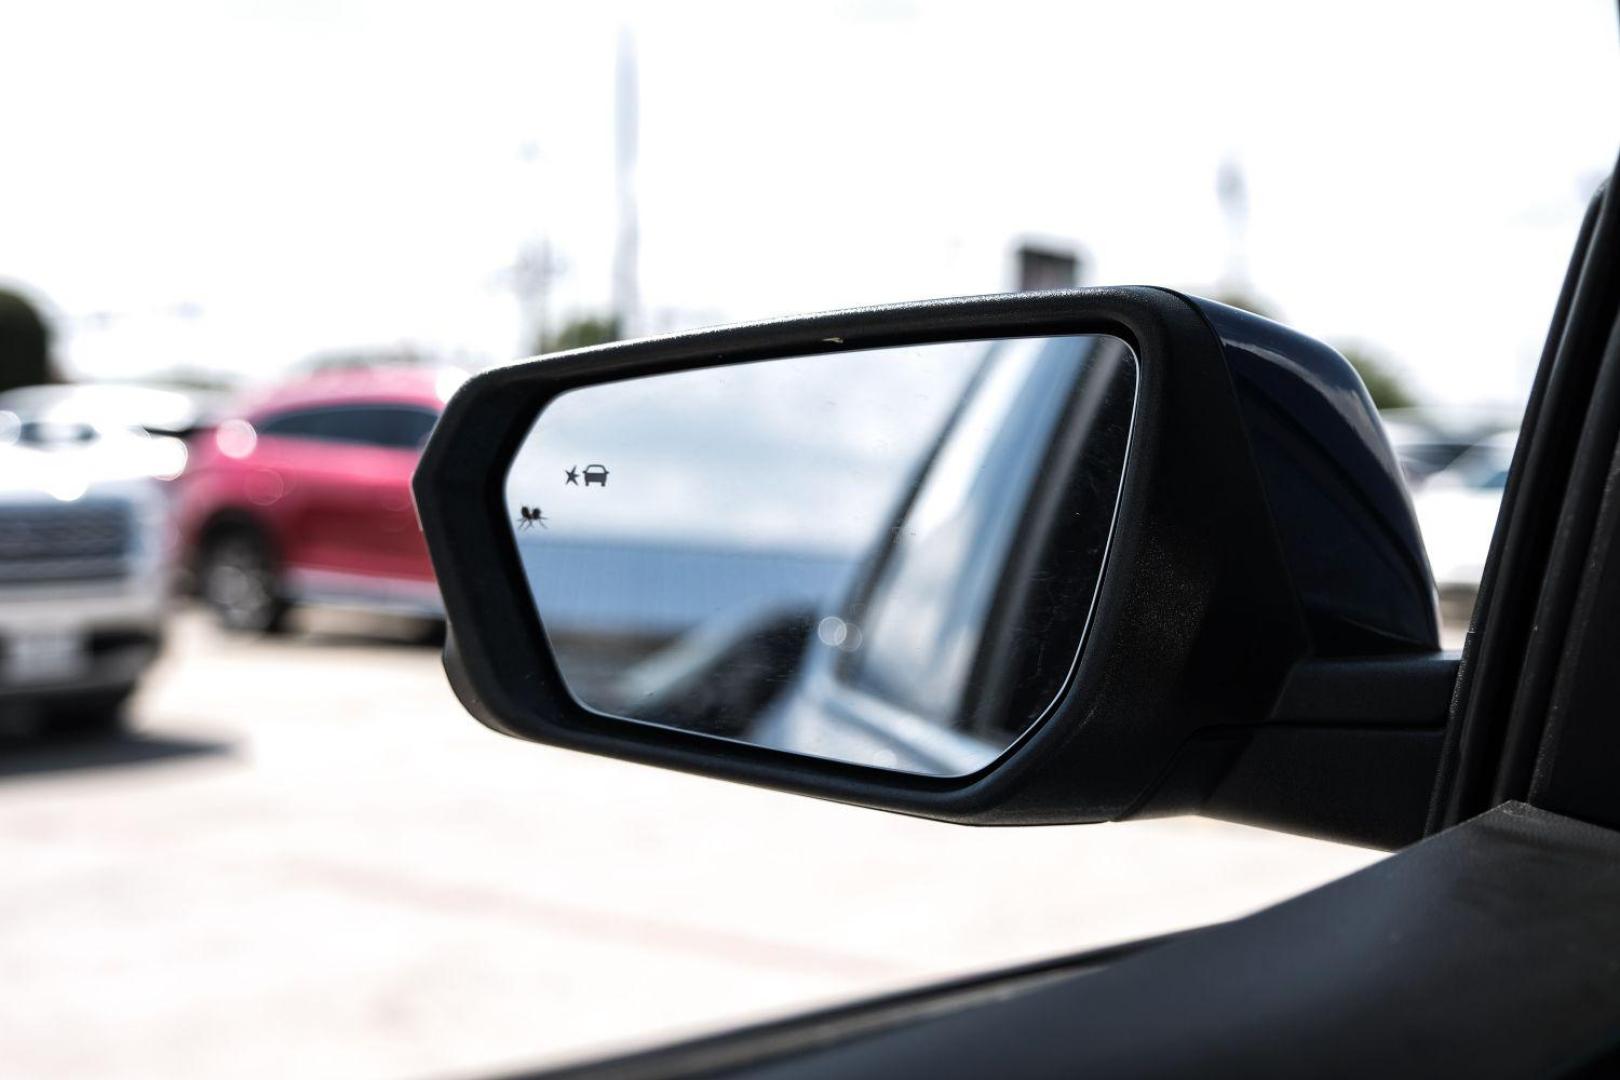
<point>303,497</point>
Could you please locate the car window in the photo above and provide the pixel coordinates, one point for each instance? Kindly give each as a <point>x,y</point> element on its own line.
<point>400,427</point>
<point>406,428</point>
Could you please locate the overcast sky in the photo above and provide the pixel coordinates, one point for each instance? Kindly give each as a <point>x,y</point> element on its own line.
<point>308,176</point>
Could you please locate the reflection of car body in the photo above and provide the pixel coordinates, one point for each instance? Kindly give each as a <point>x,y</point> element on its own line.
<point>84,571</point>
<point>881,675</point>
<point>596,474</point>
<point>303,496</point>
<point>887,675</point>
<point>1457,509</point>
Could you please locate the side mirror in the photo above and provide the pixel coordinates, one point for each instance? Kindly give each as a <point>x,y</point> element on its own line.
<point>1019,559</point>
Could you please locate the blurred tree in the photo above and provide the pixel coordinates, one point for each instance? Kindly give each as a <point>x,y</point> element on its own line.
<point>580,331</point>
<point>1387,386</point>
<point>363,358</point>
<point>25,343</point>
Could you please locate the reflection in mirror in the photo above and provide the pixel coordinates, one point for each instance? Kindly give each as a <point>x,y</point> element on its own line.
<point>884,557</point>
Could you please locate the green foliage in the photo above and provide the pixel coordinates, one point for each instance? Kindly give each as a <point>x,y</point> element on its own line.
<point>1384,382</point>
<point>25,344</point>
<point>580,331</point>
<point>364,359</point>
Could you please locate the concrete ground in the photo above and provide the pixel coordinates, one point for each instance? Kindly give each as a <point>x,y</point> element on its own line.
<point>309,861</point>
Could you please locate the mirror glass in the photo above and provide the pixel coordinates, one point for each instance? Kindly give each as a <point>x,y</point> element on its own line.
<point>886,557</point>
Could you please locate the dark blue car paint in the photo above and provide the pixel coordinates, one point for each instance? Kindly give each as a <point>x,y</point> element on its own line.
<point>1349,536</point>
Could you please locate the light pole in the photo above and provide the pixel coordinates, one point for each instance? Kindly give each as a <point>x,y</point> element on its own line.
<point>1233,192</point>
<point>626,286</point>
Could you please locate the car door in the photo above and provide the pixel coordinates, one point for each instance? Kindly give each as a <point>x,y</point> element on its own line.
<point>396,548</point>
<point>347,517</point>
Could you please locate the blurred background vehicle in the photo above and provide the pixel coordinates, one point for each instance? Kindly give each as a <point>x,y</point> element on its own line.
<point>302,496</point>
<point>157,410</point>
<point>85,558</point>
<point>1456,509</point>
<point>147,425</point>
<point>1428,438</point>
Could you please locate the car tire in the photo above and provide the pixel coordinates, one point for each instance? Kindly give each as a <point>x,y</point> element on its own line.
<point>431,633</point>
<point>96,715</point>
<point>237,578</point>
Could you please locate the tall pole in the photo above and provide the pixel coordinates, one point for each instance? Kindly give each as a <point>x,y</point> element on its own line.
<point>626,288</point>
<point>1233,192</point>
<point>536,269</point>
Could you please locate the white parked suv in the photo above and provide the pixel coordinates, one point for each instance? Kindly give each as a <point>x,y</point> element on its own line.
<point>85,556</point>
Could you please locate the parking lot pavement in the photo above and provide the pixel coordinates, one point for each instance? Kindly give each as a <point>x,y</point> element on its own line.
<point>307,860</point>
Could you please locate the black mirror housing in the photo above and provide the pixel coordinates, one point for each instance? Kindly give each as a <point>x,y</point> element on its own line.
<point>1262,526</point>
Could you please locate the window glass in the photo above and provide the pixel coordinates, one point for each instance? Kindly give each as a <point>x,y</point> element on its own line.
<point>400,427</point>
<point>405,427</point>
